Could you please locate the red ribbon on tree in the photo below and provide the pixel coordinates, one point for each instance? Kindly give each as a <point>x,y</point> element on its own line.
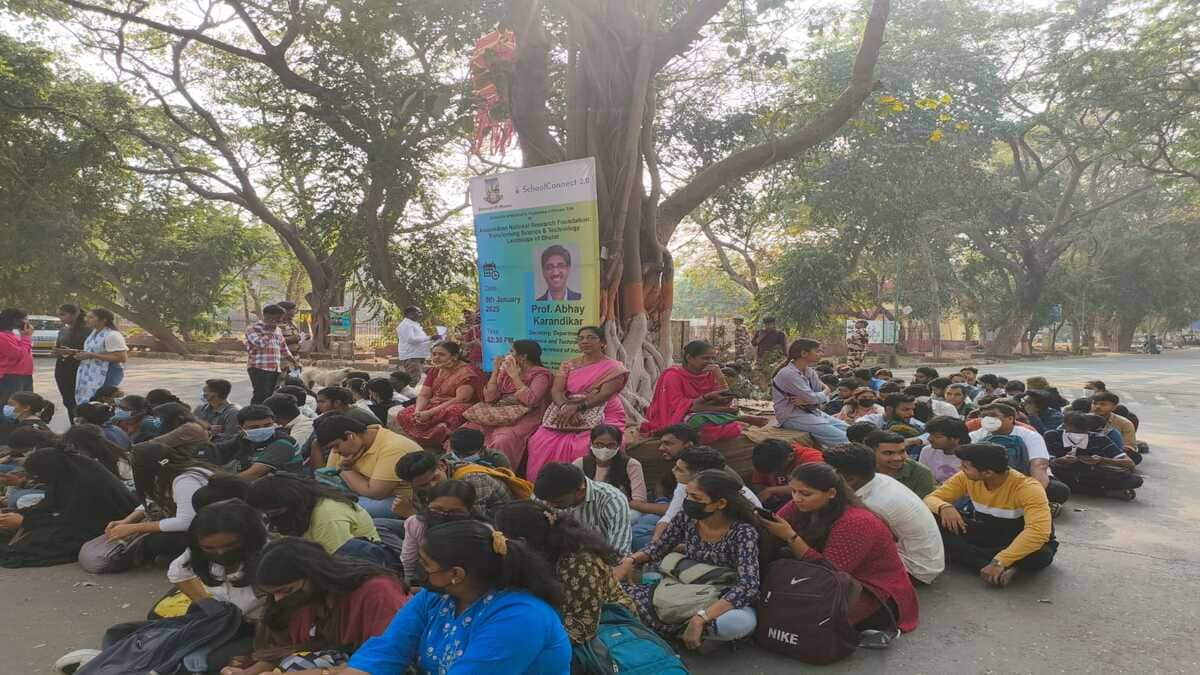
<point>491,67</point>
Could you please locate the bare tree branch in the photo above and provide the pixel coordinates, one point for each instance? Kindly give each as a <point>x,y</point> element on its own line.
<point>679,38</point>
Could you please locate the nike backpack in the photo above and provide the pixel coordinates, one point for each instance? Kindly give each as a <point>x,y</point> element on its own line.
<point>804,611</point>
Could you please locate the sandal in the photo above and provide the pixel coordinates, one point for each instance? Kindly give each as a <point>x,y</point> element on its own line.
<point>1123,495</point>
<point>877,639</point>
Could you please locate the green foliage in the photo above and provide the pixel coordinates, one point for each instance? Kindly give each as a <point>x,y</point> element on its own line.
<point>813,282</point>
<point>701,291</point>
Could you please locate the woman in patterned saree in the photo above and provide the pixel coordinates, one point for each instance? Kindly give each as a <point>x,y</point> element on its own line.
<point>591,381</point>
<point>517,379</point>
<point>450,387</point>
<point>103,357</point>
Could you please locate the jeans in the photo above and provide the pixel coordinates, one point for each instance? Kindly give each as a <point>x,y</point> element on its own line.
<point>263,383</point>
<point>643,530</point>
<point>377,508</point>
<point>825,430</point>
<point>732,625</point>
<point>370,551</point>
<point>1094,480</point>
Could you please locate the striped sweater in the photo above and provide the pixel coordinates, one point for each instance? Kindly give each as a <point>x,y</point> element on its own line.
<point>1018,506</point>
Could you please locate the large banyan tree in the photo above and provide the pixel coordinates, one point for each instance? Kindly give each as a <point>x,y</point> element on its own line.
<point>586,82</point>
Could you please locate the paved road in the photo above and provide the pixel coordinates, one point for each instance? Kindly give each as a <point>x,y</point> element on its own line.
<point>1121,596</point>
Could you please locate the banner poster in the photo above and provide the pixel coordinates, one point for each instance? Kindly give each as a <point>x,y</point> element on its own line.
<point>340,322</point>
<point>880,331</point>
<point>538,240</point>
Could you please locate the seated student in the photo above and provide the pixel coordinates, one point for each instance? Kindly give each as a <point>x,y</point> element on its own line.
<point>89,440</point>
<point>133,416</point>
<point>924,375</point>
<point>607,462</point>
<point>289,418</point>
<point>940,454</point>
<point>937,387</point>
<point>298,507</point>
<point>179,428</point>
<point>518,379</point>
<point>109,395</point>
<point>423,470</point>
<point>402,384</point>
<point>23,491</point>
<point>168,478</point>
<point>1104,404</point>
<point>25,409</point>
<point>1095,387</point>
<point>1014,389</point>
<point>864,403</point>
<point>467,445</point>
<point>1088,461</point>
<point>897,409</point>
<point>687,465</point>
<point>358,389</point>
<point>774,460</point>
<point>305,400</point>
<point>924,395</point>
<point>858,432</point>
<point>365,459</point>
<point>81,497</point>
<point>673,441</point>
<point>216,412</point>
<point>1041,411</point>
<point>447,501</point>
<point>917,536</point>
<point>598,506</point>
<point>959,396</point>
<point>580,560</point>
<point>718,530</point>
<point>319,607</point>
<point>381,398</point>
<point>797,395</point>
<point>101,414</point>
<point>891,459</point>
<point>825,520</point>
<point>1009,526</point>
<point>1026,447</point>
<point>450,387</point>
<point>842,392</point>
<point>339,400</point>
<point>262,447</point>
<point>491,610</point>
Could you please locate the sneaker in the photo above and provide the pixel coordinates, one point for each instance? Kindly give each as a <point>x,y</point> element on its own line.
<point>75,660</point>
<point>1123,495</point>
<point>1055,509</point>
<point>877,639</point>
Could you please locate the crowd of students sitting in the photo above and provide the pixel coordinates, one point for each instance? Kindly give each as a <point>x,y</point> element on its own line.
<point>493,523</point>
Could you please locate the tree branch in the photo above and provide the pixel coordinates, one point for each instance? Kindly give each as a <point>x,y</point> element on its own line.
<point>740,164</point>
<point>685,31</point>
<point>530,91</point>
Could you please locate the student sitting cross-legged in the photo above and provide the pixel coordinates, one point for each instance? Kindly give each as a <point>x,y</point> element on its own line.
<point>1008,526</point>
<point>1088,461</point>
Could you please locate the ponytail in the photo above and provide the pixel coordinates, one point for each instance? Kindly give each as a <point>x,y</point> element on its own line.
<point>493,559</point>
<point>41,407</point>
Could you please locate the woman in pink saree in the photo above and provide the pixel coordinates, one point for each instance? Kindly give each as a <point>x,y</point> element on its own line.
<point>590,381</point>
<point>694,394</point>
<point>450,387</point>
<point>517,379</point>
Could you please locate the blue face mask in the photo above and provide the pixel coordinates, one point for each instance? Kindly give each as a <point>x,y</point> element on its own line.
<point>122,415</point>
<point>259,435</point>
<point>9,411</point>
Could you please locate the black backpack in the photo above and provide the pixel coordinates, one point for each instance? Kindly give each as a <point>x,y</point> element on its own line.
<point>160,645</point>
<point>804,611</point>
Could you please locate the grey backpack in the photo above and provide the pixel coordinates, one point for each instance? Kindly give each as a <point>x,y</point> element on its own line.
<point>159,646</point>
<point>688,586</point>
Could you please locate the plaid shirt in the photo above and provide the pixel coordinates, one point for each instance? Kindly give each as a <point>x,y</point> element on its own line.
<point>265,348</point>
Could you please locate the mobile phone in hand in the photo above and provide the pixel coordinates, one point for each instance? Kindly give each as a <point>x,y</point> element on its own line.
<point>764,514</point>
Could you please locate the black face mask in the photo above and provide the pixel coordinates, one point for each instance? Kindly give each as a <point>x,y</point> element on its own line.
<point>695,510</point>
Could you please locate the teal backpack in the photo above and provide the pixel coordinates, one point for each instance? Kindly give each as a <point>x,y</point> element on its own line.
<point>1018,454</point>
<point>625,645</point>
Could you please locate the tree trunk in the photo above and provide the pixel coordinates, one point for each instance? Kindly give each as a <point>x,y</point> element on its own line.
<point>147,322</point>
<point>935,290</point>
<point>1126,326</point>
<point>1016,325</point>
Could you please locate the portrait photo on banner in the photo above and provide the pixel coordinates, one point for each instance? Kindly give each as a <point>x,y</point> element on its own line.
<point>560,279</point>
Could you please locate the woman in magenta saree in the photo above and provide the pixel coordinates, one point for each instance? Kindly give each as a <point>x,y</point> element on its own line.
<point>694,394</point>
<point>450,387</point>
<point>584,384</point>
<point>517,379</point>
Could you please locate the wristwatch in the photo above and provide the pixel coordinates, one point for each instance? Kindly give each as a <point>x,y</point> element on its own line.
<point>703,614</point>
<point>997,563</point>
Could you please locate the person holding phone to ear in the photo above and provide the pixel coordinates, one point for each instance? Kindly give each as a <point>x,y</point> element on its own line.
<point>16,352</point>
<point>696,394</point>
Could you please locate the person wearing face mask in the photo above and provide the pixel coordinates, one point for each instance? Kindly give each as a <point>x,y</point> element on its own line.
<point>489,606</point>
<point>598,506</point>
<point>861,403</point>
<point>263,446</point>
<point>133,415</point>
<point>607,462</point>
<point>448,501</point>
<point>825,520</point>
<point>719,529</point>
<point>421,471</point>
<point>178,428</point>
<point>216,411</point>
<point>101,415</point>
<point>25,409</point>
<point>580,559</point>
<point>318,608</point>
<point>1027,451</point>
<point>298,507</point>
<point>1088,461</point>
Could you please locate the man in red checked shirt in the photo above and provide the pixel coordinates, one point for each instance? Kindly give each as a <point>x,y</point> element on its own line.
<point>267,353</point>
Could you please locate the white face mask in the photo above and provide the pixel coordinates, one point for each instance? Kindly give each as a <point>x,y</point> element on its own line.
<point>1088,391</point>
<point>604,454</point>
<point>991,424</point>
<point>1075,440</point>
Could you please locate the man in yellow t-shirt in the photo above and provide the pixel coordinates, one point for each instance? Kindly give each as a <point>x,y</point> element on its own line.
<point>365,458</point>
<point>1009,526</point>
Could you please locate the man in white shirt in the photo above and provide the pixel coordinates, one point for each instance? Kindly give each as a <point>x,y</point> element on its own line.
<point>688,464</point>
<point>1000,419</point>
<point>918,538</point>
<point>413,345</point>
